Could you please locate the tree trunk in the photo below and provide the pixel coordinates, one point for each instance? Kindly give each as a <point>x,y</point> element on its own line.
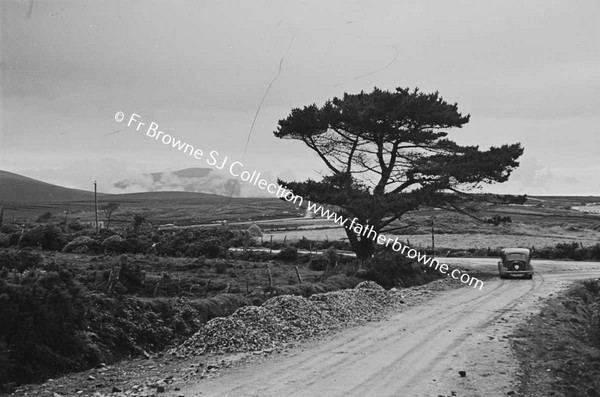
<point>362,246</point>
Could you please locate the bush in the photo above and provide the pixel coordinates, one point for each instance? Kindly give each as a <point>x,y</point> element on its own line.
<point>319,262</point>
<point>391,269</point>
<point>304,243</point>
<point>4,240</point>
<point>194,243</point>
<point>82,244</point>
<point>333,283</point>
<point>50,324</point>
<point>221,266</point>
<point>132,275</point>
<point>41,314</point>
<point>288,254</point>
<point>45,217</point>
<point>46,236</point>
<point>134,244</point>
<point>254,231</point>
<point>20,260</point>
<point>76,225</point>
<point>211,247</point>
<point>114,244</point>
<point>573,251</point>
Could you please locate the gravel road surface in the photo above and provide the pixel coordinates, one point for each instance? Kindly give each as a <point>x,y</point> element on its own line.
<point>421,351</point>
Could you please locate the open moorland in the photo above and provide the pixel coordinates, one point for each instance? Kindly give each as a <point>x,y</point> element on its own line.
<point>169,264</point>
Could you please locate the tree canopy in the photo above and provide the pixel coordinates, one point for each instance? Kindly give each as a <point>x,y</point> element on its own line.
<point>387,153</point>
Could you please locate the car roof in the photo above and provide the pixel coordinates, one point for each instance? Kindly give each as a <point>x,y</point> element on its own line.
<point>516,251</point>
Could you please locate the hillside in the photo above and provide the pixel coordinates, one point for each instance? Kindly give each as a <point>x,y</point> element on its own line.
<point>18,188</point>
<point>21,189</point>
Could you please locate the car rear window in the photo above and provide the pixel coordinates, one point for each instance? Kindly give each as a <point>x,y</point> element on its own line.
<point>515,257</point>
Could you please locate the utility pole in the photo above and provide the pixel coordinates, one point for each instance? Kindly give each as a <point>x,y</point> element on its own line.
<point>432,236</point>
<point>66,215</point>
<point>96,206</point>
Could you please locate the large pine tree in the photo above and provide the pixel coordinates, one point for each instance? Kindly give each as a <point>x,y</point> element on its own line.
<point>387,154</point>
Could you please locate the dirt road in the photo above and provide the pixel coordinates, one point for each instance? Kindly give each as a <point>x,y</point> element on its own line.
<point>417,352</point>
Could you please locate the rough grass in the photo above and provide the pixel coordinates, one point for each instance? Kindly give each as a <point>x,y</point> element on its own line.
<point>560,347</point>
<point>333,283</point>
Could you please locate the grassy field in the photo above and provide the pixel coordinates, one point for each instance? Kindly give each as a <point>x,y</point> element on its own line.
<point>542,224</point>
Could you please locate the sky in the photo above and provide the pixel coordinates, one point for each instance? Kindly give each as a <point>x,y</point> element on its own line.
<point>526,71</point>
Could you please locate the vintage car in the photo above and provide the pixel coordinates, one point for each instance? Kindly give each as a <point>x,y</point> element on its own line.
<point>516,262</point>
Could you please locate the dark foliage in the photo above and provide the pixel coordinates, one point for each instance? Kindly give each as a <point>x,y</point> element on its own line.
<point>575,251</point>
<point>50,323</point>
<point>497,220</point>
<point>333,283</point>
<point>288,254</point>
<point>318,262</point>
<point>45,236</point>
<point>208,242</point>
<point>368,142</point>
<point>45,217</point>
<point>41,313</point>
<point>20,260</point>
<point>391,269</point>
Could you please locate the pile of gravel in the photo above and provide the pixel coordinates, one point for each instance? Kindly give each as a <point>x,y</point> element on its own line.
<point>286,319</point>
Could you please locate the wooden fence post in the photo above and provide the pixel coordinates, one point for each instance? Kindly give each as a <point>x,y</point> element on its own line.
<point>206,290</point>
<point>114,277</point>
<point>298,274</point>
<point>270,276</point>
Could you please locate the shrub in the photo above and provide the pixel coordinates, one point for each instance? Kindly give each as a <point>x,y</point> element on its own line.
<point>304,243</point>
<point>132,275</point>
<point>319,262</point>
<point>20,260</point>
<point>46,236</point>
<point>4,240</point>
<point>255,231</point>
<point>76,225</point>
<point>82,244</point>
<point>211,247</point>
<point>45,217</point>
<point>288,254</point>
<point>134,244</point>
<point>341,245</point>
<point>332,254</point>
<point>114,244</point>
<point>194,243</point>
<point>391,269</point>
<point>41,313</point>
<point>221,266</point>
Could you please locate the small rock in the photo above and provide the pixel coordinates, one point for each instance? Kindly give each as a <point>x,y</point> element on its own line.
<point>160,389</point>
<point>115,389</point>
<point>462,373</point>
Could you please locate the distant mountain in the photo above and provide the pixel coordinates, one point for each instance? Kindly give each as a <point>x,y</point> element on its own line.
<point>196,180</point>
<point>21,189</point>
<point>14,187</point>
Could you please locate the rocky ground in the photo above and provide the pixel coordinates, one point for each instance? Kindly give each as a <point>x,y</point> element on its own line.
<point>251,334</point>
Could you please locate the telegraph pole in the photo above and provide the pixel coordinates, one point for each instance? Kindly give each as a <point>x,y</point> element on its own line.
<point>432,236</point>
<point>96,206</point>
